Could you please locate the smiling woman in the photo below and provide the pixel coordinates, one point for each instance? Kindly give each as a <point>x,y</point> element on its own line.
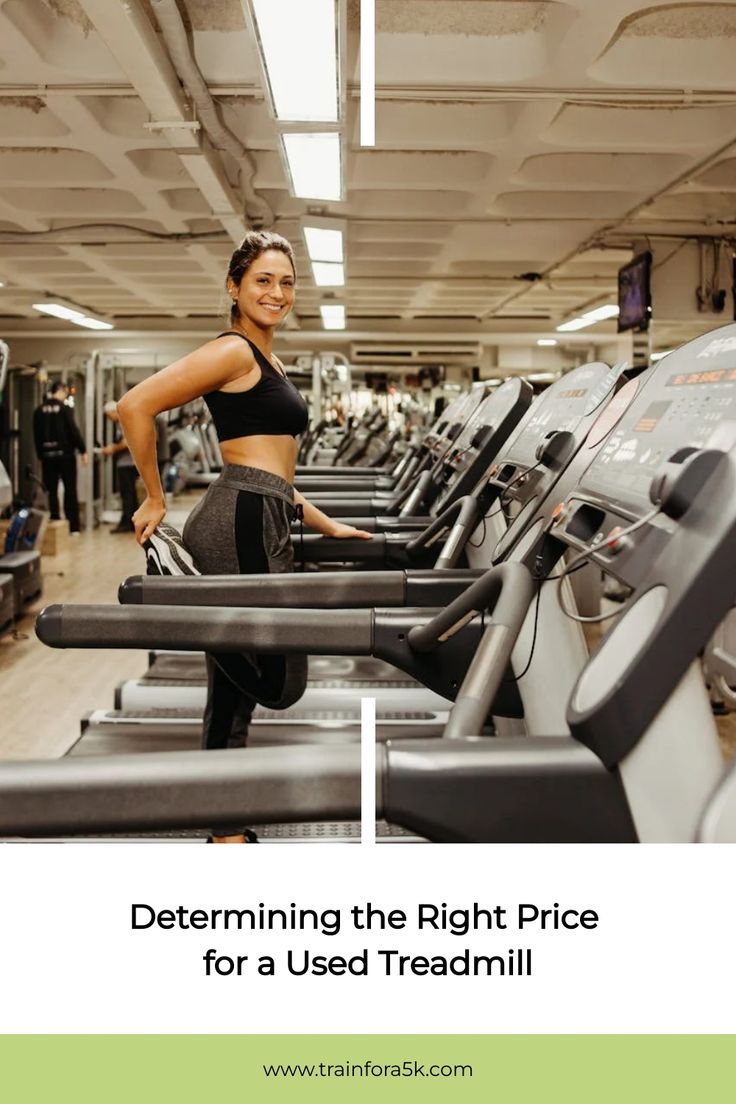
<point>243,523</point>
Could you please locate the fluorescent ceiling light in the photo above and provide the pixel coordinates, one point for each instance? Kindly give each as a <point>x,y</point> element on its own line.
<point>328,275</point>
<point>71,314</point>
<point>90,323</point>
<point>298,42</point>
<point>323,244</point>
<point>546,341</point>
<point>314,165</point>
<point>600,314</point>
<point>333,316</point>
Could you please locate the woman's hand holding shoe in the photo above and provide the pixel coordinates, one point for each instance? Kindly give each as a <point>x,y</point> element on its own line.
<point>148,515</point>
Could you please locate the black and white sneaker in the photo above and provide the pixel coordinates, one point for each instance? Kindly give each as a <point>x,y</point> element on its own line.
<point>166,553</point>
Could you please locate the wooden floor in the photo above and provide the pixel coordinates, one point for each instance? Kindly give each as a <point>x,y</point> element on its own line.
<point>45,691</point>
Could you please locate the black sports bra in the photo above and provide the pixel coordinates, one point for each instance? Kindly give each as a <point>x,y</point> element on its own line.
<point>273,408</point>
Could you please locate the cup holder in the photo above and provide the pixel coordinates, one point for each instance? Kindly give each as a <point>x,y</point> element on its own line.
<point>585,523</point>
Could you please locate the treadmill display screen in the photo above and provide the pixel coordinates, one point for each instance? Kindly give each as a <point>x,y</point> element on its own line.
<point>690,379</point>
<point>673,411</point>
<point>490,412</point>
<point>561,407</point>
<point>462,408</point>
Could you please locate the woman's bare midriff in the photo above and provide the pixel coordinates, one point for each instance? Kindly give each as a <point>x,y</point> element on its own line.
<point>272,454</point>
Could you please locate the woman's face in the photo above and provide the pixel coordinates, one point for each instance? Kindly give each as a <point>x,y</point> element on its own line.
<point>266,292</point>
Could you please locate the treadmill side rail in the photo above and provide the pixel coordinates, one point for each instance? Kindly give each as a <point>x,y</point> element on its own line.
<point>333,590</point>
<point>208,628</point>
<point>336,590</point>
<point>181,789</point>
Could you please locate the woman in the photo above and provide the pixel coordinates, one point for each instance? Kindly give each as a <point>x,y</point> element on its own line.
<point>243,523</point>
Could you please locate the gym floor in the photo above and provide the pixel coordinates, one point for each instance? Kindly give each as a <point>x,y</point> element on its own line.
<point>46,691</point>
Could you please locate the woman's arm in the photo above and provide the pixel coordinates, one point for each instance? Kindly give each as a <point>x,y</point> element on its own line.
<point>204,370</point>
<point>315,519</point>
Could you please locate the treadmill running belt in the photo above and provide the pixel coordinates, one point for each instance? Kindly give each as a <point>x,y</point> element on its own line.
<point>322,684</point>
<point>293,713</point>
<point>167,666</point>
<point>327,832</point>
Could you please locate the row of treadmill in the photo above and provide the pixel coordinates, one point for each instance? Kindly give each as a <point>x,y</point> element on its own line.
<point>464,618</point>
<point>194,458</point>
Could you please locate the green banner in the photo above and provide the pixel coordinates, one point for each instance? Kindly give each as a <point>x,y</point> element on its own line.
<point>505,1069</point>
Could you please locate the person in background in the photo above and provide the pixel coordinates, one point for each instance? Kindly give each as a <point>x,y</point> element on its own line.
<point>57,440</point>
<point>125,471</point>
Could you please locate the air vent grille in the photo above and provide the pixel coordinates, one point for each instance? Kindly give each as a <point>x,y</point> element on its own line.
<point>454,352</point>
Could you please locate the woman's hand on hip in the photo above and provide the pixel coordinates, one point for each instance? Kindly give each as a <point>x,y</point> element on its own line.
<point>147,517</point>
<point>345,532</point>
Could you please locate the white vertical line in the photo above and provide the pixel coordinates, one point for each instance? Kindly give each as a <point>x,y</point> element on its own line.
<point>368,771</point>
<point>367,72</point>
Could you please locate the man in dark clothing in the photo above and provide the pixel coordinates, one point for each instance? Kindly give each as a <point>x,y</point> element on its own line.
<point>57,439</point>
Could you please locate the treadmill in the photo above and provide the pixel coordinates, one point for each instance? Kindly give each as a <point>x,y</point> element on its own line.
<point>595,384</point>
<point>177,683</point>
<point>385,495</point>
<point>164,720</point>
<point>639,760</point>
<point>545,441</point>
<point>148,703</point>
<point>461,462</point>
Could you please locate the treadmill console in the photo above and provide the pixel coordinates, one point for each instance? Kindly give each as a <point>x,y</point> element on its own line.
<point>552,432</point>
<point>481,439</point>
<point>686,404</point>
<point>439,443</point>
<point>447,417</point>
<point>489,416</point>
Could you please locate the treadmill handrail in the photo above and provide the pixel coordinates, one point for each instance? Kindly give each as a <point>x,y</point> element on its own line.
<point>418,493</point>
<point>430,535</point>
<point>181,789</point>
<point>208,628</point>
<point>324,590</point>
<point>504,590</point>
<point>459,535</point>
<point>333,590</point>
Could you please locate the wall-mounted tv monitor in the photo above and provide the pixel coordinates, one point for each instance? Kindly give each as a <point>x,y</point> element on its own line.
<point>634,294</point>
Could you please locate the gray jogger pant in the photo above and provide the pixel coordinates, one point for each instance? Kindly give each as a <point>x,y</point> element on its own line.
<point>243,526</point>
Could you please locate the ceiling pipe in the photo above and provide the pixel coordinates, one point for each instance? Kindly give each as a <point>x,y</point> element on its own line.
<point>258,210</point>
<point>128,31</point>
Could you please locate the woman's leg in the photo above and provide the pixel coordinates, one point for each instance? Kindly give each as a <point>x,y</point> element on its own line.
<point>259,543</point>
<point>227,713</point>
<point>209,536</point>
<point>241,531</point>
